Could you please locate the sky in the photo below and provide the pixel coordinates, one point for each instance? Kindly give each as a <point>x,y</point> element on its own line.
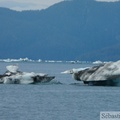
<point>20,5</point>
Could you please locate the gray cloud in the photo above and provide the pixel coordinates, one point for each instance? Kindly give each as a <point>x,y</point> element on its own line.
<point>27,4</point>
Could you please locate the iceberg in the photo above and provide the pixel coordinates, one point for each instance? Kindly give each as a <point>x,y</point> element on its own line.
<point>98,62</point>
<point>14,76</point>
<point>107,74</point>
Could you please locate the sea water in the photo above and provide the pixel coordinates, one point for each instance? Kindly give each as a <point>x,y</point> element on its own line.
<point>61,99</point>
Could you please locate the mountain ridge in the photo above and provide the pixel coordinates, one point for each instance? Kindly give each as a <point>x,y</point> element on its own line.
<point>69,30</point>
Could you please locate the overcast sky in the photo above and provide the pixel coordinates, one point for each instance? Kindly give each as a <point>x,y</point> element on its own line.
<point>32,4</point>
<point>27,4</point>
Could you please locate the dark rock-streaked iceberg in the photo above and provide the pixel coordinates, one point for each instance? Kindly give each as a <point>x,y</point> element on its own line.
<point>107,74</point>
<point>13,76</point>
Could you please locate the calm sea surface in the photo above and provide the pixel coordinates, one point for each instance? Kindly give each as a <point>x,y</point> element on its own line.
<point>61,99</point>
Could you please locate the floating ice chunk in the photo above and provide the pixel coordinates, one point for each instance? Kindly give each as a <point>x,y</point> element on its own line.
<point>98,62</point>
<point>13,76</point>
<point>72,71</point>
<point>12,68</point>
<point>103,74</point>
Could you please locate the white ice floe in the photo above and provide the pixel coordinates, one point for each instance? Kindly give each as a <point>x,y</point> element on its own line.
<point>98,62</point>
<point>71,71</point>
<point>13,76</point>
<point>107,73</point>
<point>12,68</point>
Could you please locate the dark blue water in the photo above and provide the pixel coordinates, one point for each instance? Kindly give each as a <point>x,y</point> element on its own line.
<point>61,99</point>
